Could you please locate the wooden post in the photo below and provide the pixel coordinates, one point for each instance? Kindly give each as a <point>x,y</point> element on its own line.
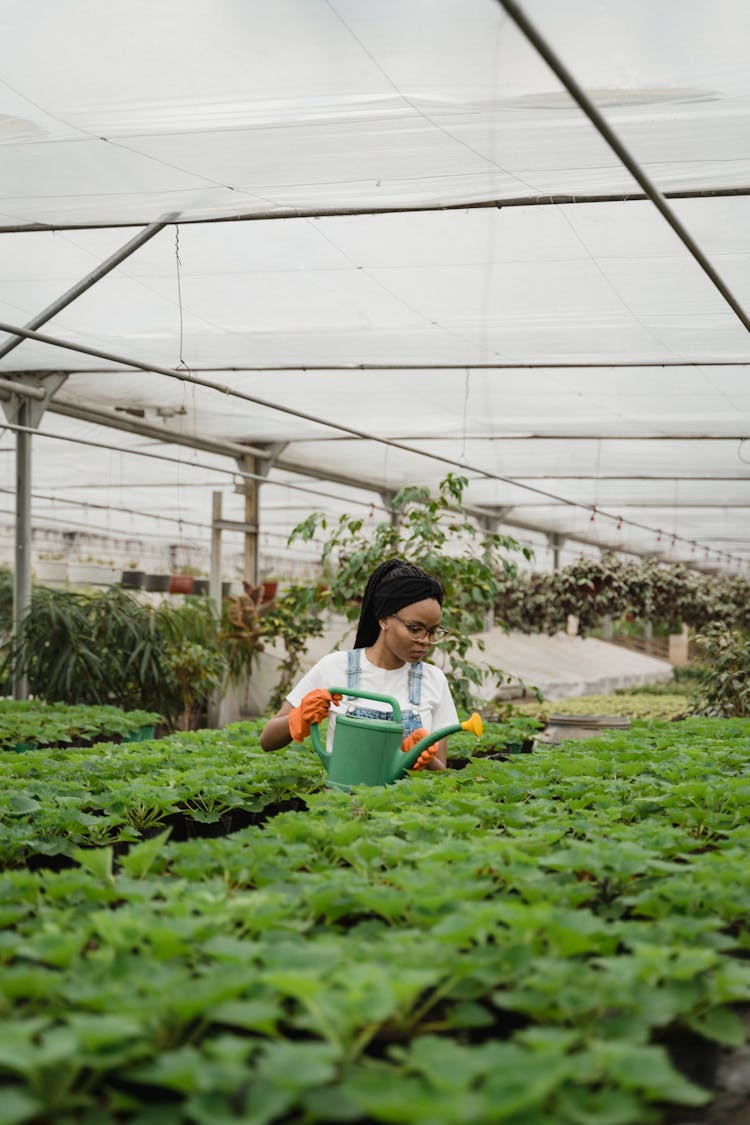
<point>678,648</point>
<point>252,518</point>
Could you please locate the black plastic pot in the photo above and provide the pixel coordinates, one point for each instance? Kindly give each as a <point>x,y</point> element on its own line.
<point>157,583</point>
<point>132,579</point>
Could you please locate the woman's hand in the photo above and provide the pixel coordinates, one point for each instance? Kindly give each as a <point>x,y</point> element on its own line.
<point>411,741</point>
<point>313,708</point>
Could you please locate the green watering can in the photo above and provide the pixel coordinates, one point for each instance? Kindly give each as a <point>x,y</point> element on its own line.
<point>368,751</point>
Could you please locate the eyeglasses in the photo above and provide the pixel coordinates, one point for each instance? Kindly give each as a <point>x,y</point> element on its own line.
<point>421,632</point>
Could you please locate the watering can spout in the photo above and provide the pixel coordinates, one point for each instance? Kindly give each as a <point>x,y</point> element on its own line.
<point>473,724</point>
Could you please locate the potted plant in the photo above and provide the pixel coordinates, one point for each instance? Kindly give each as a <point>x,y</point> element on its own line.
<point>268,589</point>
<point>157,583</point>
<point>198,671</point>
<point>132,578</point>
<point>181,584</point>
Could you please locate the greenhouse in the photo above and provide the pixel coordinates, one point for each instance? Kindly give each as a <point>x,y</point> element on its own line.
<point>288,290</point>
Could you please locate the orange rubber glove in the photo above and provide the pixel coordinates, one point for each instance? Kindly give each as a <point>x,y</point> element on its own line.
<point>313,709</point>
<point>411,741</point>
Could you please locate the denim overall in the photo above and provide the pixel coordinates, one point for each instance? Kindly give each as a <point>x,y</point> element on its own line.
<point>411,717</point>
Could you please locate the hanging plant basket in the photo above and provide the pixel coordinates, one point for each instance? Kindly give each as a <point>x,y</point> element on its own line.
<point>132,579</point>
<point>181,584</point>
<point>157,583</point>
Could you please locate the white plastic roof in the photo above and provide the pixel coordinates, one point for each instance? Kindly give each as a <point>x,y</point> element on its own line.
<point>566,356</point>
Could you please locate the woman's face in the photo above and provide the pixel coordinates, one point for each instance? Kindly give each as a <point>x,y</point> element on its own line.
<point>409,634</point>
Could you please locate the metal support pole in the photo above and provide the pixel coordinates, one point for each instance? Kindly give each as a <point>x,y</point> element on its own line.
<point>553,199</point>
<point>214,581</point>
<point>214,591</point>
<point>555,541</point>
<point>598,121</point>
<point>86,282</point>
<point>22,574</point>
<point>489,526</point>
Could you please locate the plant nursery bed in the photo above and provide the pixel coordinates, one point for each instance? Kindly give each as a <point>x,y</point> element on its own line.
<point>556,937</point>
<point>31,725</point>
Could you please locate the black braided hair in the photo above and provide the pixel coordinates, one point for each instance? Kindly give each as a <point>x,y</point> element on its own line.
<point>390,587</point>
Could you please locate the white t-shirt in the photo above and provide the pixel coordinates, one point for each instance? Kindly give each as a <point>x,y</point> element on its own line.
<point>436,707</point>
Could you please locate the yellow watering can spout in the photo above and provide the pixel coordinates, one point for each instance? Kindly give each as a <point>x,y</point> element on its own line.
<point>473,725</point>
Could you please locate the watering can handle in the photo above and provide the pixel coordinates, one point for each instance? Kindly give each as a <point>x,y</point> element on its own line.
<point>393,703</point>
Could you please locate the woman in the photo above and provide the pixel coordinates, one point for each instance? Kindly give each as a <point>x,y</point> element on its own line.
<point>398,622</point>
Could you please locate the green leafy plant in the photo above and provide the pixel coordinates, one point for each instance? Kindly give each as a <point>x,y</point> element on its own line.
<point>91,648</point>
<point>438,533</point>
<point>630,704</point>
<point>665,594</point>
<point>292,618</point>
<point>525,940</point>
<point>35,723</point>
<point>242,630</point>
<point>6,602</point>
<point>725,686</point>
<point>198,671</point>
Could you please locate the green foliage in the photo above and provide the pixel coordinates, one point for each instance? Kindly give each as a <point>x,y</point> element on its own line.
<point>193,622</point>
<point>725,686</point>
<point>666,594</point>
<point>6,601</point>
<point>241,635</point>
<point>293,618</point>
<point>92,648</point>
<point>117,793</point>
<point>197,671</point>
<point>101,648</point>
<point>517,941</point>
<point>632,704</point>
<point>437,533</point>
<point>35,723</point>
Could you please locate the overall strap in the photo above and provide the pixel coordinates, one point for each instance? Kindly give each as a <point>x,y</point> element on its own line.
<point>415,684</point>
<point>353,663</point>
